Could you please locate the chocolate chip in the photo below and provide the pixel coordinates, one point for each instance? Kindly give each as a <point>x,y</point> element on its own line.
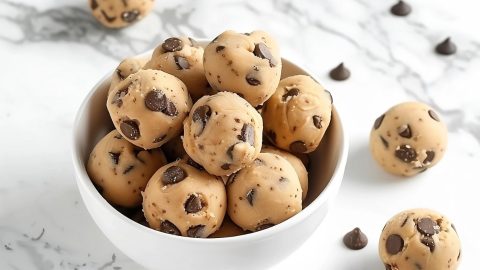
<point>170,110</point>
<point>317,121</point>
<point>193,204</point>
<point>250,196</point>
<point>446,47</point>
<point>128,169</point>
<point>230,151</point>
<point>182,62</point>
<point>225,166</point>
<point>130,16</point>
<point>219,48</point>
<point>173,175</point>
<point>401,9</point>
<point>430,157</point>
<point>406,153</point>
<point>429,242</point>
<point>172,44</point>
<point>114,157</point>
<point>231,178</point>
<point>130,129</point>
<point>298,147</point>
<point>252,80</point>
<point>355,239</point>
<point>247,134</point>
<point>378,121</point>
<point>202,114</point>
<point>159,138</point>
<point>405,221</point>
<point>433,115</point>
<point>117,98</point>
<point>196,231</point>
<point>427,226</point>
<point>261,50</point>
<point>394,244</point>
<point>264,226</point>
<point>272,136</point>
<point>93,4</point>
<point>194,164</point>
<point>384,141</point>
<point>168,227</point>
<point>404,131</point>
<point>155,101</point>
<point>290,93</point>
<point>108,18</point>
<point>340,73</point>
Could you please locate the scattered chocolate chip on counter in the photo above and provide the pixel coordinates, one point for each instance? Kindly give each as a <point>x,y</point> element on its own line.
<point>355,239</point>
<point>401,9</point>
<point>340,73</point>
<point>446,47</point>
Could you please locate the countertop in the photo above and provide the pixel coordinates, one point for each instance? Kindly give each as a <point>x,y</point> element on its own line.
<point>53,52</point>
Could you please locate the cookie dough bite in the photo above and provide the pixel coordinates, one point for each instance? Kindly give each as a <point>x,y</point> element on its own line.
<point>120,170</point>
<point>296,117</point>
<point>295,162</point>
<point>118,14</point>
<point>148,107</point>
<point>408,139</point>
<point>127,67</point>
<point>247,64</point>
<point>419,239</point>
<point>182,200</point>
<point>183,58</point>
<point>264,193</point>
<point>223,133</point>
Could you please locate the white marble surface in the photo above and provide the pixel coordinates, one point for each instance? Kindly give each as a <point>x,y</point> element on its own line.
<point>53,52</point>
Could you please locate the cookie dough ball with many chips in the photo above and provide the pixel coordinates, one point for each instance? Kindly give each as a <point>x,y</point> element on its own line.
<point>264,193</point>
<point>120,170</point>
<point>127,67</point>
<point>419,239</point>
<point>148,107</point>
<point>296,117</point>
<point>182,200</point>
<point>248,64</point>
<point>183,58</point>
<point>408,139</point>
<point>117,14</point>
<point>223,133</point>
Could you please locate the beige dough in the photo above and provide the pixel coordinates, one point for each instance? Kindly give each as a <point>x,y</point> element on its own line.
<point>183,58</point>
<point>120,13</point>
<point>120,170</point>
<point>296,117</point>
<point>148,107</point>
<point>264,193</point>
<point>125,68</point>
<point>419,239</point>
<point>223,133</point>
<point>408,139</point>
<point>182,200</point>
<point>248,64</point>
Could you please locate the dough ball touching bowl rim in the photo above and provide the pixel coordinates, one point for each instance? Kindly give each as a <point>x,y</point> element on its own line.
<point>153,249</point>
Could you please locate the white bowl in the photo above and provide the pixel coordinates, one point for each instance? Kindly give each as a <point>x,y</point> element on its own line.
<point>156,250</point>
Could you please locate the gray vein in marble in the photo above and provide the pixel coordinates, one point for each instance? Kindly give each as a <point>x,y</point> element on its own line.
<point>36,257</point>
<point>39,236</point>
<point>110,263</point>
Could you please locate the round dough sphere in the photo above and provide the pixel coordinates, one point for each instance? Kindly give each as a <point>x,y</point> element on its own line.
<point>182,200</point>
<point>248,64</point>
<point>148,107</point>
<point>408,139</point>
<point>296,163</point>
<point>296,117</point>
<point>127,67</point>
<point>419,239</point>
<point>117,14</point>
<point>223,133</point>
<point>120,170</point>
<point>264,193</point>
<point>183,58</point>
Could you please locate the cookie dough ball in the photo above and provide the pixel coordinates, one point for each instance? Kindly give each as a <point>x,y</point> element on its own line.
<point>296,163</point>
<point>408,139</point>
<point>183,58</point>
<point>120,170</point>
<point>419,239</point>
<point>296,117</point>
<point>148,107</point>
<point>264,193</point>
<point>223,133</point>
<point>117,14</point>
<point>182,200</point>
<point>248,64</point>
<point>127,67</point>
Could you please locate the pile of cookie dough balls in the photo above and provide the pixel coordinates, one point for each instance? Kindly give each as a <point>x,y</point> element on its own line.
<point>188,153</point>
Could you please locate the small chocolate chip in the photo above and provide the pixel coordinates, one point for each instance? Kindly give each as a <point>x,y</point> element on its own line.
<point>317,121</point>
<point>155,101</point>
<point>427,226</point>
<point>202,114</point>
<point>170,110</point>
<point>261,50</point>
<point>196,231</point>
<point>378,121</point>
<point>117,98</point>
<point>130,16</point>
<point>272,136</point>
<point>290,93</point>
<point>231,178</point>
<point>394,244</point>
<point>172,44</point>
<point>404,131</point>
<point>384,141</point>
<point>406,153</point>
<point>194,164</point>
<point>225,166</point>
<point>168,227</point>
<point>130,129</point>
<point>355,239</point>
<point>433,115</point>
<point>247,134</point>
<point>114,157</point>
<point>401,9</point>
<point>219,48</point>
<point>93,4</point>
<point>181,62</point>
<point>193,204</point>
<point>173,175</point>
<point>108,18</point>
<point>252,80</point>
<point>340,73</point>
<point>283,179</point>
<point>405,221</point>
<point>250,196</point>
<point>298,147</point>
<point>446,47</point>
<point>429,242</point>
<point>264,226</point>
<point>128,169</point>
<point>430,157</point>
